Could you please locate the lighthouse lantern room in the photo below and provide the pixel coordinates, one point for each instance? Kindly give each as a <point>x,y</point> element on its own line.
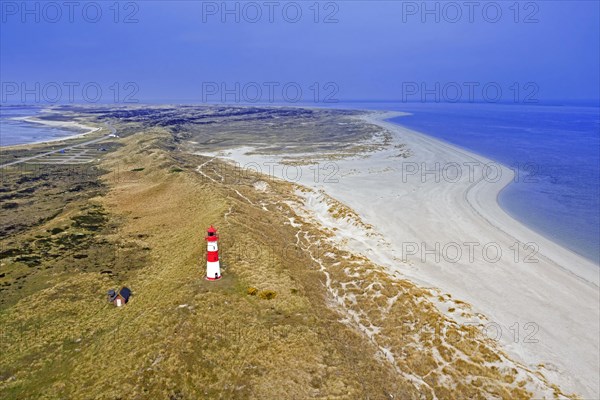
<point>213,268</point>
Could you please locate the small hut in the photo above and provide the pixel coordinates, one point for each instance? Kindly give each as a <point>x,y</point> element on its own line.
<point>119,298</point>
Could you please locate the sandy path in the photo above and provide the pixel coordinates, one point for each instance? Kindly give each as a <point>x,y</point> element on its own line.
<point>441,227</point>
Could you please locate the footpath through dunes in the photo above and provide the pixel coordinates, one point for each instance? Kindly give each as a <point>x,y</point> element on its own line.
<point>294,316</point>
<point>448,232</point>
<point>181,336</point>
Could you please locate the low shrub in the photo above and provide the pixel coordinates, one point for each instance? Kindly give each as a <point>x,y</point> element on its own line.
<point>252,291</point>
<point>267,294</point>
<point>9,206</point>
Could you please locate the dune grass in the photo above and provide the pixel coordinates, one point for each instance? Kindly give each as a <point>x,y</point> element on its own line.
<point>293,317</point>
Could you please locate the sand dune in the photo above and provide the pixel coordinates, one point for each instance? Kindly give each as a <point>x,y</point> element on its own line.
<point>435,208</point>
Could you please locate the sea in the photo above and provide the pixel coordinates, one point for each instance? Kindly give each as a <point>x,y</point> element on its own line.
<point>13,132</point>
<point>554,150</point>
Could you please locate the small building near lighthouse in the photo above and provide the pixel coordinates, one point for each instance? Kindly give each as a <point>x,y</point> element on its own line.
<point>119,298</point>
<point>213,266</point>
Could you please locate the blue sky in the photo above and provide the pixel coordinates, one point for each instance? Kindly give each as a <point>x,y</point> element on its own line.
<point>369,50</point>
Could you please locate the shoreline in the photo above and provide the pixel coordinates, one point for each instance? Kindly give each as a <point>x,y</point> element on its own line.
<point>556,295</point>
<point>491,210</point>
<point>56,124</point>
<point>531,230</point>
<point>568,273</point>
<point>329,309</point>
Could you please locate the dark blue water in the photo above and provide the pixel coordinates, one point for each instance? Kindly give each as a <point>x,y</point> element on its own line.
<point>555,151</point>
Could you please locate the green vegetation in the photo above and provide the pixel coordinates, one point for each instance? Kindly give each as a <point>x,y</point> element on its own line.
<point>275,326</point>
<point>252,291</point>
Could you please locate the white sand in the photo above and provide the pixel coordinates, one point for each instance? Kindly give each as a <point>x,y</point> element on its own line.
<point>553,304</point>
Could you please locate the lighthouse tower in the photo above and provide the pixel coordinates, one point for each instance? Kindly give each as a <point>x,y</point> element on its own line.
<point>213,268</point>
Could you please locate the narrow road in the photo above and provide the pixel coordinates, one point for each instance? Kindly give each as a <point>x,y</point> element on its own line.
<point>25,159</point>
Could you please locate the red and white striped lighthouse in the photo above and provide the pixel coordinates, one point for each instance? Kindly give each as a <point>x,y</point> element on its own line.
<point>213,268</point>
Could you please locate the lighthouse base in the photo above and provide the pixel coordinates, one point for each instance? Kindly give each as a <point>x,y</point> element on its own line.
<point>213,279</point>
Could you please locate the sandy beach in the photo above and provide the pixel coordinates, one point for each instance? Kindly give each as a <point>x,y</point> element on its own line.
<point>434,209</point>
<point>71,125</point>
